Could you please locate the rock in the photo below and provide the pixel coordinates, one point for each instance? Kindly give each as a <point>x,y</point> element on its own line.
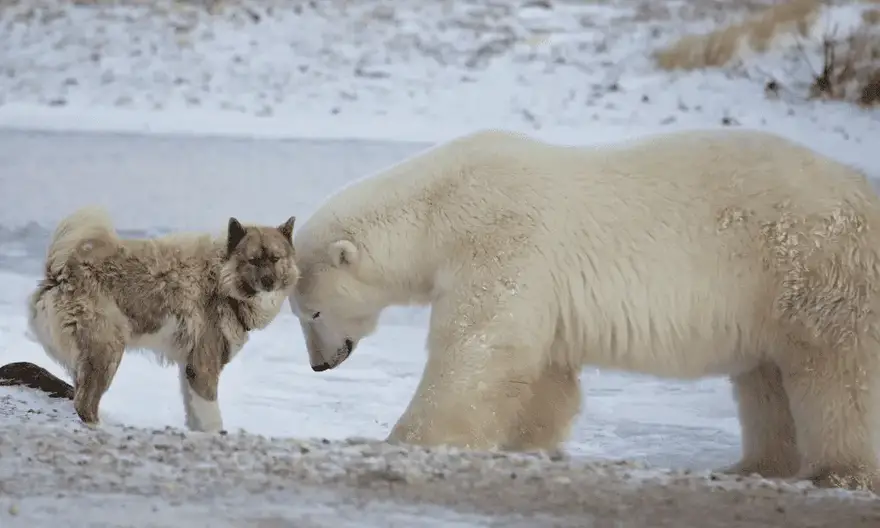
<point>35,377</point>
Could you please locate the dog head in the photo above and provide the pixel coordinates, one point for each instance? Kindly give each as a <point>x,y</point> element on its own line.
<point>259,259</point>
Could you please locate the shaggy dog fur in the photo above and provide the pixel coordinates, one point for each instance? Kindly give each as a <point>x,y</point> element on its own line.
<point>190,298</point>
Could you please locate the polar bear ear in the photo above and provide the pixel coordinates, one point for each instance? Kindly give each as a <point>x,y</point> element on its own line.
<point>343,253</point>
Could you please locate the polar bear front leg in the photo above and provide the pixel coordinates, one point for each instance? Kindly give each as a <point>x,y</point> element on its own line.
<point>455,409</point>
<point>768,433</point>
<point>548,411</point>
<point>482,361</point>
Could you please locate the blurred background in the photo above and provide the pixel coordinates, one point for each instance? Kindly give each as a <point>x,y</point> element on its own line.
<point>425,70</point>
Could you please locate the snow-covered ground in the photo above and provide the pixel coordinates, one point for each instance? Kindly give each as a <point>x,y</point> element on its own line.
<point>319,93</point>
<point>572,70</point>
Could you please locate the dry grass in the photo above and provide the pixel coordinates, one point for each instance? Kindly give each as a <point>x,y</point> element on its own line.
<point>723,45</point>
<point>850,68</point>
<point>850,65</point>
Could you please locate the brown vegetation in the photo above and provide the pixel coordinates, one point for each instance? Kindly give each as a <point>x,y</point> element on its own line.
<point>850,68</point>
<point>723,45</point>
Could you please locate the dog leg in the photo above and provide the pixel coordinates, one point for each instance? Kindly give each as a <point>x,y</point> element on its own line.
<point>199,379</point>
<point>202,414</point>
<point>96,366</point>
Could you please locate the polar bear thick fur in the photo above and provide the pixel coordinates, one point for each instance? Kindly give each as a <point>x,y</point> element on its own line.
<point>691,254</point>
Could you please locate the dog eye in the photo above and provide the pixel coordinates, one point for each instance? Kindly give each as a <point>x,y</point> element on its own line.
<point>255,260</point>
<point>273,259</point>
<point>316,315</point>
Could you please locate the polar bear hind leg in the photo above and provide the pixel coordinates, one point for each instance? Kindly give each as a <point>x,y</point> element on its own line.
<point>812,419</point>
<point>833,400</point>
<point>826,345</point>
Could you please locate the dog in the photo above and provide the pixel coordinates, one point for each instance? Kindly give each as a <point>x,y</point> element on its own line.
<point>190,298</point>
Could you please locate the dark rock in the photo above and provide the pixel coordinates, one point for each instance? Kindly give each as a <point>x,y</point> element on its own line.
<point>35,377</point>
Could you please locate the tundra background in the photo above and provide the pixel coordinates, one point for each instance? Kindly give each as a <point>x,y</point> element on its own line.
<point>170,113</point>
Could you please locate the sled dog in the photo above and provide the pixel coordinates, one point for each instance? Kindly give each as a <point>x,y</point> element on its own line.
<point>190,298</point>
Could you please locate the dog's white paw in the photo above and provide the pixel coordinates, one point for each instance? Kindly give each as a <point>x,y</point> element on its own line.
<point>202,415</point>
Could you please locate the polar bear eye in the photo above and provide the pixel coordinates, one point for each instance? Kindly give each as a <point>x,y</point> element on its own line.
<point>316,315</point>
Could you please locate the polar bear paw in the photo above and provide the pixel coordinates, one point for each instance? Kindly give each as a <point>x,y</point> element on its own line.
<point>767,467</point>
<point>858,478</point>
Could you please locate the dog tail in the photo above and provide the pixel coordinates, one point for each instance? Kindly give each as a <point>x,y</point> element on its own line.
<point>82,233</point>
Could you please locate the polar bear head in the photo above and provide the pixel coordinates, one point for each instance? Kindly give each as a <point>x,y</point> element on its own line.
<point>335,301</point>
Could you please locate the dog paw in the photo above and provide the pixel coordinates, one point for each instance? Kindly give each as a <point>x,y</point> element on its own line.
<point>89,417</point>
<point>91,424</point>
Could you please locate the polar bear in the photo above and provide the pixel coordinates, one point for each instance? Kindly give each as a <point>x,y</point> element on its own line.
<point>684,255</point>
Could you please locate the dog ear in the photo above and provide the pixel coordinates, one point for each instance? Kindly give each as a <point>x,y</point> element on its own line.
<point>287,228</point>
<point>235,233</point>
<point>343,253</point>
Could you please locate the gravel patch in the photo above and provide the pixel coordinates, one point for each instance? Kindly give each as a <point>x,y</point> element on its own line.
<point>50,464</point>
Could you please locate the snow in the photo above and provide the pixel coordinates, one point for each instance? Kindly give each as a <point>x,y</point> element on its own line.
<point>423,71</point>
<point>167,478</point>
<point>180,125</point>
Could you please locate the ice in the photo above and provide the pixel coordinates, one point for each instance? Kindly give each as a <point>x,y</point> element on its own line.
<point>175,119</point>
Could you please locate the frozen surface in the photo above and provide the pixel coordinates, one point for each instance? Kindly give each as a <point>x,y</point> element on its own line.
<point>345,88</point>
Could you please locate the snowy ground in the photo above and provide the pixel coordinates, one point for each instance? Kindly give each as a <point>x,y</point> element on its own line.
<point>321,76</point>
<point>573,70</point>
<point>57,470</point>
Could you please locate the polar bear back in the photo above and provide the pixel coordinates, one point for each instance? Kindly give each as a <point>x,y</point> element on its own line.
<point>562,186</point>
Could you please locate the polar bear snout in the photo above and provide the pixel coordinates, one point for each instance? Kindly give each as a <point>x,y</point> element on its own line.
<point>328,345</point>
<point>341,355</point>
